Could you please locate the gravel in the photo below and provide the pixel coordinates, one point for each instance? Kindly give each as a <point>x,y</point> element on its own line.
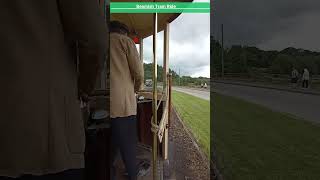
<point>185,160</point>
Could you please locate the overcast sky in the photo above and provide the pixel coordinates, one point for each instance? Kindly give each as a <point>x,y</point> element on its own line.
<point>269,24</point>
<point>189,45</point>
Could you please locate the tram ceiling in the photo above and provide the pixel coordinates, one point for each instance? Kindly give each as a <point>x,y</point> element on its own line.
<point>142,23</point>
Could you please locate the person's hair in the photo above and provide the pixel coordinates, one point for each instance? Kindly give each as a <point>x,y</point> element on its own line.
<point>118,27</point>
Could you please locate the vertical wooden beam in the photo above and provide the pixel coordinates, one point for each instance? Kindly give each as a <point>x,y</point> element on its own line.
<point>102,81</point>
<point>154,99</point>
<point>165,141</point>
<point>141,54</point>
<point>169,99</point>
<point>141,49</point>
<point>165,56</point>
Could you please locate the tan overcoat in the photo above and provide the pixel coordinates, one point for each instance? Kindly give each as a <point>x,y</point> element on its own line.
<point>126,75</point>
<point>41,130</point>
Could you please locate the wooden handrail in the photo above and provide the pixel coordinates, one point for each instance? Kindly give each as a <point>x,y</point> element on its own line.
<point>163,122</point>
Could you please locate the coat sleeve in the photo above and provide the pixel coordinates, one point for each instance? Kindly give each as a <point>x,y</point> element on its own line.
<point>85,26</point>
<point>135,65</point>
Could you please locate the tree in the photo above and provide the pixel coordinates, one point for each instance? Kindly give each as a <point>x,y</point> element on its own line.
<point>282,64</point>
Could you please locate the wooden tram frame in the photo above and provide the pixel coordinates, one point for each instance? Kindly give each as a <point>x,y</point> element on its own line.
<point>160,129</point>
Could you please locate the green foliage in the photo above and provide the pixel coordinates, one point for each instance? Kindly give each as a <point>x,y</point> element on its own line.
<point>282,64</point>
<point>177,80</point>
<point>215,57</point>
<point>148,72</point>
<point>241,59</point>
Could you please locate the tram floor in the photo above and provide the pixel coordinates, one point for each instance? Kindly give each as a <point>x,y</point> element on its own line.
<point>185,160</point>
<point>144,154</point>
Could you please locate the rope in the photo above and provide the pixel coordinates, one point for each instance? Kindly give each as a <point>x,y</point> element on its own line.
<point>154,127</point>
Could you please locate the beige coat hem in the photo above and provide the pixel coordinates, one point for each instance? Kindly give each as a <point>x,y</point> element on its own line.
<point>76,163</point>
<point>126,115</point>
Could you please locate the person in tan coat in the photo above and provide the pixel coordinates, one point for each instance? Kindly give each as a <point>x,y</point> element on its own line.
<point>41,129</point>
<point>126,78</point>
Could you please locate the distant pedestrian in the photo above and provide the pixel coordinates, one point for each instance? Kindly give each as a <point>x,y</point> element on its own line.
<point>305,78</point>
<point>294,77</point>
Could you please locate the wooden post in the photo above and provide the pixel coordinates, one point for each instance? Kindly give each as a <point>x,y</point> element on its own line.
<point>165,56</point>
<point>141,54</point>
<point>170,105</point>
<point>154,100</point>
<point>165,141</point>
<point>222,52</point>
<point>141,49</point>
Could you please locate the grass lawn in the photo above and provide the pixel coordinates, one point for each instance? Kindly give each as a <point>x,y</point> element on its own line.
<point>316,86</point>
<point>255,143</point>
<point>195,112</point>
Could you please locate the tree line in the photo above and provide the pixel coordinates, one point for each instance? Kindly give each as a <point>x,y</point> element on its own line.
<point>246,59</point>
<point>177,80</point>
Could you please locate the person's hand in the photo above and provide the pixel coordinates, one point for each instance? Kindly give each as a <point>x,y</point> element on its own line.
<point>83,97</point>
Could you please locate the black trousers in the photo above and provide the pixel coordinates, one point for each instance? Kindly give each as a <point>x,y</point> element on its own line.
<point>124,138</point>
<point>305,83</point>
<point>77,174</point>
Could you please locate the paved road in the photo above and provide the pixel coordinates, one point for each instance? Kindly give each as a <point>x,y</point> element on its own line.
<point>203,94</point>
<point>305,106</point>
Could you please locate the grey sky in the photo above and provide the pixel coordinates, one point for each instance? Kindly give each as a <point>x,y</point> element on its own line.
<point>189,45</point>
<point>272,24</point>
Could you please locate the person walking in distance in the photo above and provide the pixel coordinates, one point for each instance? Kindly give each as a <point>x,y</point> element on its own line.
<point>305,78</point>
<point>294,77</point>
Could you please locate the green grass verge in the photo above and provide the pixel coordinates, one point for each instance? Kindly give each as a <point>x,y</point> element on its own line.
<point>253,142</point>
<point>316,86</point>
<point>195,112</point>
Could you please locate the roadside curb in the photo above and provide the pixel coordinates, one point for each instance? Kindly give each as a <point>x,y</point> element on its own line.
<point>192,88</point>
<point>268,87</point>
